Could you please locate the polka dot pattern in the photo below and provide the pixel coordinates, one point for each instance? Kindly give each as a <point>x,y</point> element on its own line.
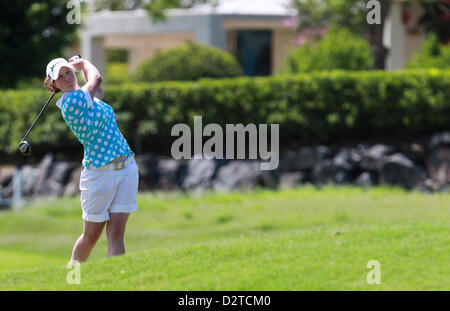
<point>95,126</point>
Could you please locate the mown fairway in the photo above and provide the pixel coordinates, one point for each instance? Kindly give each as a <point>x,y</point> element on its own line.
<point>299,239</point>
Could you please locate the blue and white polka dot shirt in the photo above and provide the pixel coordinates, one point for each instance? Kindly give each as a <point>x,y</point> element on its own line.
<point>95,126</point>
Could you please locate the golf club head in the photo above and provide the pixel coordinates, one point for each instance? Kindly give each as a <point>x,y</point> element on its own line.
<point>25,148</point>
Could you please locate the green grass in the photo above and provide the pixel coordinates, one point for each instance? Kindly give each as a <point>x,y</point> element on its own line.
<point>299,239</point>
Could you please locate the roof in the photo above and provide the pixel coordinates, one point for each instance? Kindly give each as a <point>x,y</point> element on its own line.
<point>241,7</point>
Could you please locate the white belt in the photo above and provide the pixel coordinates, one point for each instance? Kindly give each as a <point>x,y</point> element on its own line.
<point>116,166</point>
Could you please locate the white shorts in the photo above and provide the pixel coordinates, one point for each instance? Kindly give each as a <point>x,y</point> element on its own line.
<point>105,192</point>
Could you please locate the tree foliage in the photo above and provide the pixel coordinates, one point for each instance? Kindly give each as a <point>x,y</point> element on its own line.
<point>31,34</point>
<point>350,14</point>
<point>432,55</point>
<point>436,19</point>
<point>340,49</point>
<point>117,5</point>
<point>155,8</point>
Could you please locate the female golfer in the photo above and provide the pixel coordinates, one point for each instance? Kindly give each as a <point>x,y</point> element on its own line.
<point>109,179</point>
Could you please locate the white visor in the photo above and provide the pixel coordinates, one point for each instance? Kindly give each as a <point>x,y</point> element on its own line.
<point>55,65</point>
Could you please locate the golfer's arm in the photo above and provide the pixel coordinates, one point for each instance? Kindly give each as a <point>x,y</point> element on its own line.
<point>99,93</point>
<point>93,78</point>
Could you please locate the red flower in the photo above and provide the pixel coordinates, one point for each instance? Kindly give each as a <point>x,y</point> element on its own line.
<point>446,15</point>
<point>406,16</point>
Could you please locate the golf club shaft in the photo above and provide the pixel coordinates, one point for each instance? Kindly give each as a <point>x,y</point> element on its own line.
<point>26,135</point>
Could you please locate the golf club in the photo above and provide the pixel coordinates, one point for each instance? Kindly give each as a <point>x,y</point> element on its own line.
<point>24,146</point>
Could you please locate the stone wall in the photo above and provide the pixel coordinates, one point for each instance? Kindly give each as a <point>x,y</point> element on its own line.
<point>423,166</point>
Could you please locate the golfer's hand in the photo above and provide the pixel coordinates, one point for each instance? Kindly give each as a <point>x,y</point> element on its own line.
<point>77,63</point>
<point>49,85</point>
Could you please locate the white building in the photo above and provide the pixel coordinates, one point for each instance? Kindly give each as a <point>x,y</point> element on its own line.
<point>254,30</point>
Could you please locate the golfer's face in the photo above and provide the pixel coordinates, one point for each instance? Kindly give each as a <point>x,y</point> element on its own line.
<point>66,79</point>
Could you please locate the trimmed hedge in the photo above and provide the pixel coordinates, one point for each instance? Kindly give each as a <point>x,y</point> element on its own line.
<point>317,108</point>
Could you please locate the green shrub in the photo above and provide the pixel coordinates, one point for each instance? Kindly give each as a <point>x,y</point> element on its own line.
<point>117,73</point>
<point>432,55</point>
<point>340,49</point>
<point>189,62</point>
<point>116,56</point>
<point>317,108</point>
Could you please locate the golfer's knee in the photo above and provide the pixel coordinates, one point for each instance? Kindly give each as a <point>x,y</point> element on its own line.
<point>115,237</point>
<point>91,238</point>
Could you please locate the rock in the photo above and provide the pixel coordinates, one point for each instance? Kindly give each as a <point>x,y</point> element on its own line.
<point>170,174</point>
<point>148,171</point>
<point>367,179</point>
<point>397,169</point>
<point>416,152</point>
<point>59,176</point>
<point>292,179</point>
<point>73,186</point>
<point>373,157</point>
<point>438,164</point>
<point>29,178</point>
<point>199,174</point>
<point>445,189</point>
<point>304,159</point>
<point>430,185</point>
<point>342,169</point>
<point>323,172</point>
<point>61,171</point>
<point>327,171</point>
<point>45,168</point>
<point>269,178</point>
<point>348,158</point>
<point>440,139</point>
<point>237,175</point>
<point>52,187</point>
<point>52,177</point>
<point>5,204</point>
<point>7,191</point>
<point>6,175</point>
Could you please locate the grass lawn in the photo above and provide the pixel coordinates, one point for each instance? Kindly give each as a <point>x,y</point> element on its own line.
<point>298,239</point>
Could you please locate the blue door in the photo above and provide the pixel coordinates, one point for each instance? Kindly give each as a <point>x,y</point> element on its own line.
<point>254,52</point>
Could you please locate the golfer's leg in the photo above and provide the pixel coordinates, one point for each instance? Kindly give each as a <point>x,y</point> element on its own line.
<point>123,204</point>
<point>83,247</point>
<point>115,232</point>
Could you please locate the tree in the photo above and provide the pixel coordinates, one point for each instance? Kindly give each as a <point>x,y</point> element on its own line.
<point>155,8</point>
<point>432,55</point>
<point>344,13</point>
<point>375,32</point>
<point>117,5</point>
<point>330,53</point>
<point>436,19</point>
<point>31,34</point>
<point>350,14</point>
